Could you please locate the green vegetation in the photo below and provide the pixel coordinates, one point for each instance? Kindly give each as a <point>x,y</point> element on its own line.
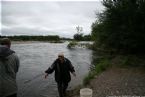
<point>78,36</point>
<point>106,61</point>
<point>72,44</point>
<point>121,26</point>
<point>129,61</point>
<point>33,38</point>
<point>81,37</point>
<point>119,33</point>
<point>100,66</point>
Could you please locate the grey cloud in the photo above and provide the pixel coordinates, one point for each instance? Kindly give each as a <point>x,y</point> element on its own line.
<point>29,31</point>
<point>57,17</point>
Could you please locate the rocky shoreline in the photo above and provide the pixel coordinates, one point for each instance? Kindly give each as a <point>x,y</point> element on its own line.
<point>118,82</point>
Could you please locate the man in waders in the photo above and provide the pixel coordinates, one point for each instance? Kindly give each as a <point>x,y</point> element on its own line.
<point>62,67</point>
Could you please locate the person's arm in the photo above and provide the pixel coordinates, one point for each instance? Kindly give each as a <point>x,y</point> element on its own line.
<point>50,69</point>
<point>17,63</point>
<point>46,75</point>
<point>74,74</point>
<point>71,68</point>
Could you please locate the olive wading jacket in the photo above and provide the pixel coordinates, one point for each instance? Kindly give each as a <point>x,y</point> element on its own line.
<point>62,70</point>
<point>9,64</point>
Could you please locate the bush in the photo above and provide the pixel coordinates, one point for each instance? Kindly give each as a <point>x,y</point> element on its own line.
<point>100,67</point>
<point>72,44</point>
<point>121,26</point>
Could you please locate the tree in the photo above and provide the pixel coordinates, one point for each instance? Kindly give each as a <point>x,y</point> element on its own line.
<point>79,29</point>
<point>78,36</point>
<point>121,26</point>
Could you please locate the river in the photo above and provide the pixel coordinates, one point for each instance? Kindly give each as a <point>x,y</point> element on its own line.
<point>36,57</point>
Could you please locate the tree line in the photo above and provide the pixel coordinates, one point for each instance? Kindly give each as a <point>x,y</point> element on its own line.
<point>78,37</point>
<point>33,38</point>
<point>121,26</point>
<point>81,37</point>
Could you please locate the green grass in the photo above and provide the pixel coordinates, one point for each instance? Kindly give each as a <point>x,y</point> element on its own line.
<point>72,44</point>
<point>100,67</point>
<point>123,61</point>
<point>131,61</point>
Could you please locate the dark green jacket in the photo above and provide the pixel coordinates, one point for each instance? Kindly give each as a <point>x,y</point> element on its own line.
<point>62,70</point>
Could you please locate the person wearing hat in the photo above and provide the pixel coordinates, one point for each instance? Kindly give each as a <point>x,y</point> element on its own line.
<point>9,65</point>
<point>62,67</point>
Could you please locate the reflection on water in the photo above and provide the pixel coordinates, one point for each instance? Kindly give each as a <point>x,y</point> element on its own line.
<point>35,58</point>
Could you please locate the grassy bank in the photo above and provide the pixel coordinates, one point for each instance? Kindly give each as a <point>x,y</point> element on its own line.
<point>99,67</point>
<point>122,61</point>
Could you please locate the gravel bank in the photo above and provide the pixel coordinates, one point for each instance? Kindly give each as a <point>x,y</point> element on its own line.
<point>119,82</point>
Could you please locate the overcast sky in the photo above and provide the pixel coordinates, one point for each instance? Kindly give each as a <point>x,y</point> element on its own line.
<point>48,18</point>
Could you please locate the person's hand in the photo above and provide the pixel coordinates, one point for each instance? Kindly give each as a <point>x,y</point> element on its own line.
<point>74,74</point>
<point>46,75</point>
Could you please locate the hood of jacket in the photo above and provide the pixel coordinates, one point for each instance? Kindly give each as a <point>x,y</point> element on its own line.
<point>5,51</point>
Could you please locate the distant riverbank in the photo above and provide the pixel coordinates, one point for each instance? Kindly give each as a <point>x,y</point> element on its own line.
<point>22,42</point>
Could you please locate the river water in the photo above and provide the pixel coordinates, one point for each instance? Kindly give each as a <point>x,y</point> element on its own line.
<point>36,57</point>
